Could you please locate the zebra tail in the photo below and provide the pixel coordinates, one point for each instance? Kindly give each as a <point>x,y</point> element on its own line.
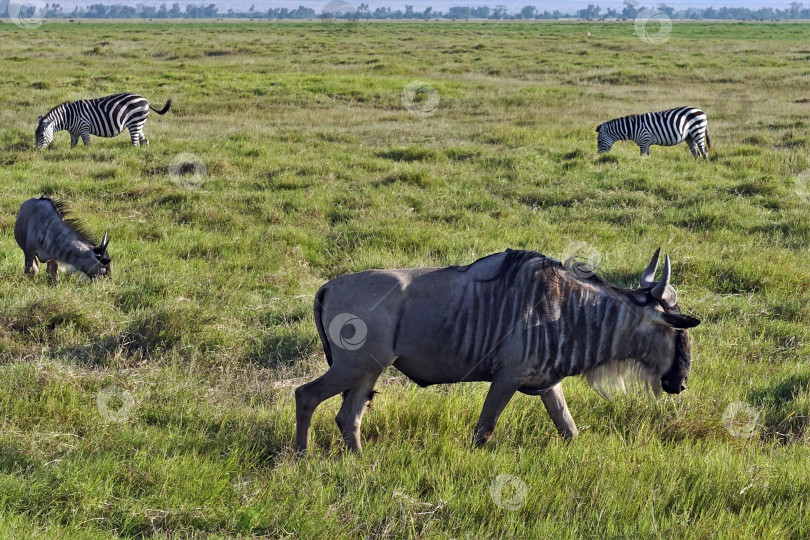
<point>708,140</point>
<point>165,108</point>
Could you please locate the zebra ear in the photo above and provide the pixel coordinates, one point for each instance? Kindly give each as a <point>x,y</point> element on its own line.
<point>39,120</point>
<point>599,128</point>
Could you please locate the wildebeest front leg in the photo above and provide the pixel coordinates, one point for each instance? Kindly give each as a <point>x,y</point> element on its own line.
<point>355,403</point>
<point>53,270</point>
<point>557,408</point>
<point>500,392</point>
<point>31,265</point>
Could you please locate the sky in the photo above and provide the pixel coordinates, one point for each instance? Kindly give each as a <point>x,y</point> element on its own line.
<point>565,6</point>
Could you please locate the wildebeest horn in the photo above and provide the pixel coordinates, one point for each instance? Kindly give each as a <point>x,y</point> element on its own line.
<point>662,291</point>
<point>104,241</point>
<point>648,277</point>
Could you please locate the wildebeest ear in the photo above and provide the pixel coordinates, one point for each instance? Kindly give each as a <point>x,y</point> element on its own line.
<point>679,321</point>
<point>104,241</point>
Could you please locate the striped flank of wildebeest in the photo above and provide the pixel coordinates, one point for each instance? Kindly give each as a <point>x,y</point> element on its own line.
<point>518,319</point>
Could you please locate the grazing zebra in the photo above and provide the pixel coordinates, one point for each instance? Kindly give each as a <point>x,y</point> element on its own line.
<point>44,232</point>
<point>665,128</point>
<point>103,117</point>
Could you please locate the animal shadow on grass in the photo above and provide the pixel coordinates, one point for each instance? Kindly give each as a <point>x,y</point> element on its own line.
<point>778,399</point>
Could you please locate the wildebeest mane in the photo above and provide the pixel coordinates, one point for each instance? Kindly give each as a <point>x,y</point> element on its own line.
<point>75,225</point>
<point>516,258</point>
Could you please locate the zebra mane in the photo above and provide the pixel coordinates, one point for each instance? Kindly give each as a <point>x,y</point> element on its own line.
<point>55,108</point>
<point>74,224</point>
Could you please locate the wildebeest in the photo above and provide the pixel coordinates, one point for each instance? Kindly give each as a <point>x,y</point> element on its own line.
<point>103,117</point>
<point>519,319</point>
<point>44,232</point>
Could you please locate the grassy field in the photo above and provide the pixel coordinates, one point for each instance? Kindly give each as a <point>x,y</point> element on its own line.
<point>159,402</point>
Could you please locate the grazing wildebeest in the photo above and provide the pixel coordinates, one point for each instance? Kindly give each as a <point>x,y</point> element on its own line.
<point>519,319</point>
<point>44,232</point>
<point>103,117</point>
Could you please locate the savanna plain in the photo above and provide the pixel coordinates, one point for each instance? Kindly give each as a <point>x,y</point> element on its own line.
<point>159,402</point>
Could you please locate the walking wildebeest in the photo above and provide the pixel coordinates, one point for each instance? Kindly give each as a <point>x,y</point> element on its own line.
<point>519,319</point>
<point>44,232</point>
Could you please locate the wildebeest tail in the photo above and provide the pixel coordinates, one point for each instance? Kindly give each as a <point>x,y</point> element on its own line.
<point>320,297</point>
<point>165,108</point>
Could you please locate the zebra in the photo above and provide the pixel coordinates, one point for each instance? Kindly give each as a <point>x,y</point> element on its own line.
<point>665,128</point>
<point>43,232</point>
<point>103,117</point>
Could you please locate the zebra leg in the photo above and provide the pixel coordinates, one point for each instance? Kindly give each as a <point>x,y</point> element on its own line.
<point>136,136</point>
<point>693,147</point>
<point>355,403</point>
<point>500,392</point>
<point>557,408</point>
<point>645,150</point>
<point>86,138</point>
<point>74,140</point>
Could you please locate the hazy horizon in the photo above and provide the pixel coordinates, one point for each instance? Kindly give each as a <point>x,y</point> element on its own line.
<point>566,6</point>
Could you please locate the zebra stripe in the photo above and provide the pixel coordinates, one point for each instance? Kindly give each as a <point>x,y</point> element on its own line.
<point>103,117</point>
<point>665,128</point>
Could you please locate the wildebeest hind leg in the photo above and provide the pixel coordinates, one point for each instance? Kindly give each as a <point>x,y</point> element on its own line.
<point>500,392</point>
<point>355,403</point>
<point>557,408</point>
<point>310,395</point>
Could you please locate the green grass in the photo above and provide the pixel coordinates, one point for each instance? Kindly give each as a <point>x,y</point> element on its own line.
<point>314,168</point>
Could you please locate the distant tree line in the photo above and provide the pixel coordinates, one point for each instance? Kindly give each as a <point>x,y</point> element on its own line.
<point>347,11</point>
